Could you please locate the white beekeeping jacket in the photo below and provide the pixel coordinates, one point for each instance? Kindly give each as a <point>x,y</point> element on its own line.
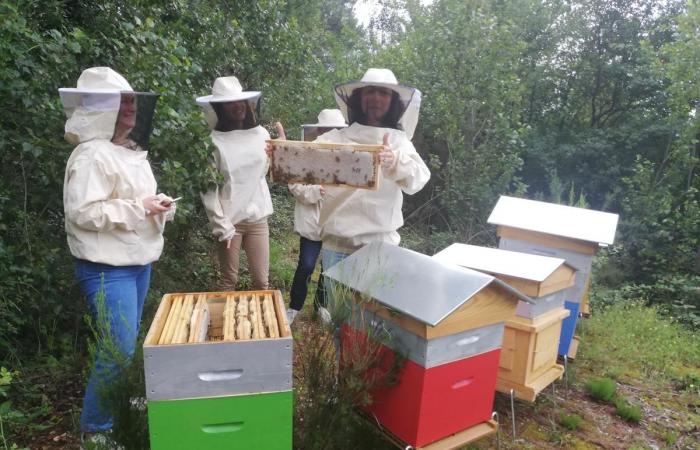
<point>307,210</point>
<point>103,189</point>
<point>244,196</point>
<point>351,218</point>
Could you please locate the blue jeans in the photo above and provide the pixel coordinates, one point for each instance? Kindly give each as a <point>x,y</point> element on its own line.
<point>308,255</point>
<point>125,291</point>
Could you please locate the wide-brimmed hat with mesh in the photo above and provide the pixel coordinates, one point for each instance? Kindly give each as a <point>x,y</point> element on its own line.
<point>409,97</point>
<point>224,90</point>
<point>329,118</point>
<point>93,105</point>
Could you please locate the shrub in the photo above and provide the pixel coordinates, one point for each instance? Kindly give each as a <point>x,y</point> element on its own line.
<point>627,411</point>
<point>601,389</point>
<point>570,421</point>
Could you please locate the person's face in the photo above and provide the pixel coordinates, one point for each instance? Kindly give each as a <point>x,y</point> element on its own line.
<point>375,102</point>
<point>235,110</point>
<point>126,120</point>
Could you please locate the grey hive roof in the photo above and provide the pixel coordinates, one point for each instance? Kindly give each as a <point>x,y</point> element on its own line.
<point>494,260</point>
<point>559,220</point>
<point>411,283</point>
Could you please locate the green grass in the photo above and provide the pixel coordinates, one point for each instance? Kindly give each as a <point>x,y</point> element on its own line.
<point>639,339</point>
<point>630,413</point>
<point>601,389</point>
<point>570,421</point>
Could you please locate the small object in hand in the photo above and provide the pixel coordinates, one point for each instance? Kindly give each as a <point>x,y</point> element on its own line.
<point>168,203</point>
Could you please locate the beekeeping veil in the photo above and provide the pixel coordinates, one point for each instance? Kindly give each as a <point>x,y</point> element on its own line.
<point>93,106</point>
<point>226,90</point>
<point>407,99</point>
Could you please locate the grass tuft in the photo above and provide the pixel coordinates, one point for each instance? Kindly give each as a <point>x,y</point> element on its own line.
<point>601,389</point>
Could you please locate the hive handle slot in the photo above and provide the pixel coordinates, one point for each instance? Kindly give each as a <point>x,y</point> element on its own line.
<point>222,427</point>
<point>468,341</point>
<point>463,383</point>
<point>222,375</point>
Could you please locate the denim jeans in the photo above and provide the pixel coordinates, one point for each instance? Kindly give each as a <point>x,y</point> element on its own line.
<point>125,290</point>
<point>308,255</point>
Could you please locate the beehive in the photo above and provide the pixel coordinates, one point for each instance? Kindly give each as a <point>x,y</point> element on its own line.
<point>227,383</point>
<point>573,234</point>
<point>447,321</point>
<point>528,360</point>
<point>353,165</point>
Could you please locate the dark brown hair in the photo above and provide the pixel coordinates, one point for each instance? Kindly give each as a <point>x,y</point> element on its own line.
<point>224,122</point>
<point>390,119</point>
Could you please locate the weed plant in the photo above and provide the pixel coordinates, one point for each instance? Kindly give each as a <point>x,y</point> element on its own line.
<point>335,376</point>
<point>570,421</point>
<point>627,411</point>
<point>601,389</point>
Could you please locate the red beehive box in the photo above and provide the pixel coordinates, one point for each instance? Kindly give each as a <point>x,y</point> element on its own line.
<point>447,321</point>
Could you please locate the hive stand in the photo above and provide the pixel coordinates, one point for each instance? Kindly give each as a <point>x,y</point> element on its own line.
<point>528,362</point>
<point>573,234</point>
<point>446,320</point>
<point>230,390</point>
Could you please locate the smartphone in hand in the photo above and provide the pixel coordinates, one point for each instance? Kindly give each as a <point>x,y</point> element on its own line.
<point>168,203</point>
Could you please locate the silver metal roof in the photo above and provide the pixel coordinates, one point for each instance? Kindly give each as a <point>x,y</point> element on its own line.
<point>559,220</point>
<point>503,262</point>
<point>410,282</point>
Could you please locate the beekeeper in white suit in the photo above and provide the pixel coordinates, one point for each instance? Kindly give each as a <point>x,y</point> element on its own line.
<point>378,111</point>
<point>238,209</point>
<point>113,218</point>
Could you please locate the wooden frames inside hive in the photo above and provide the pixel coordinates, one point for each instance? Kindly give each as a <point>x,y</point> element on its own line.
<point>219,316</point>
<point>353,165</point>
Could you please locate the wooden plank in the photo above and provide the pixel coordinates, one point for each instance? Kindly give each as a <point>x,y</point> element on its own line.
<point>167,336</point>
<point>181,327</point>
<point>352,165</point>
<point>284,328</point>
<point>491,305</point>
<point>271,317</point>
<point>159,320</point>
<point>549,240</point>
<point>573,347</point>
<point>562,278</point>
<point>256,318</point>
<point>461,439</point>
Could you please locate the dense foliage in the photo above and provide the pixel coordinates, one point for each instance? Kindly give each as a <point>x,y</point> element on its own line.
<point>585,100</point>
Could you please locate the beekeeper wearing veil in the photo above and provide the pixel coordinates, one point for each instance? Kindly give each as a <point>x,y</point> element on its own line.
<point>114,220</point>
<point>378,110</point>
<point>238,209</point>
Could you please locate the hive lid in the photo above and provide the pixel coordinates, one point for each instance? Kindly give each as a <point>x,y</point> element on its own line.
<point>411,283</point>
<point>559,220</point>
<point>503,262</point>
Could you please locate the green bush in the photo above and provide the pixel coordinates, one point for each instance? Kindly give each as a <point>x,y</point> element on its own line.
<point>627,411</point>
<point>601,389</point>
<point>570,421</point>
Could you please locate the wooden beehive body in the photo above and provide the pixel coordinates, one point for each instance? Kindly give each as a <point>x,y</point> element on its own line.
<point>354,165</point>
<point>528,360</point>
<point>214,394</point>
<point>447,321</point>
<point>573,234</point>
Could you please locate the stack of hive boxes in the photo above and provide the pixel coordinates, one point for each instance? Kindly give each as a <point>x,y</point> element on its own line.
<point>219,373</point>
<point>528,361</point>
<point>448,322</point>
<point>573,234</point>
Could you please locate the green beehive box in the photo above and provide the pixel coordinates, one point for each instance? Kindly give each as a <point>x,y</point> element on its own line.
<point>241,422</point>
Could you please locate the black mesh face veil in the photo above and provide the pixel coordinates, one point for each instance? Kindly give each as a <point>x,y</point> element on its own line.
<point>145,103</point>
<point>390,120</point>
<point>226,123</point>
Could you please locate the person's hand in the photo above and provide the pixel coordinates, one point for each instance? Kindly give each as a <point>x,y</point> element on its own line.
<point>322,191</point>
<point>386,156</point>
<point>269,148</point>
<point>153,204</point>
